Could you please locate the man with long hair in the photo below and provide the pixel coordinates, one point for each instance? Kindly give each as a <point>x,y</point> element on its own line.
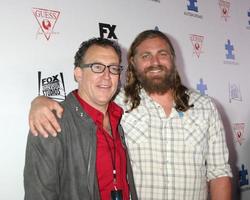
<point>175,136</point>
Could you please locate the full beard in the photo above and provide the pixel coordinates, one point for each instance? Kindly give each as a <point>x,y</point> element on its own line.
<point>157,84</point>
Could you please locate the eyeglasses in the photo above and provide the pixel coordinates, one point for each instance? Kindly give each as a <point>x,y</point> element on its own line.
<point>99,68</point>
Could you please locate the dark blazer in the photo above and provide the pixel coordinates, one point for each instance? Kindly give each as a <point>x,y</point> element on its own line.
<point>63,167</point>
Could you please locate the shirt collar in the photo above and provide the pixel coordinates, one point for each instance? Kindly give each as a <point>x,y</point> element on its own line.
<point>113,109</point>
<point>150,101</point>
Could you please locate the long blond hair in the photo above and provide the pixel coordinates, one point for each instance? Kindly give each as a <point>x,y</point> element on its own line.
<point>133,86</point>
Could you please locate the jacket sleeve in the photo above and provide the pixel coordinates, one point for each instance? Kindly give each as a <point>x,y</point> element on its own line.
<point>42,168</point>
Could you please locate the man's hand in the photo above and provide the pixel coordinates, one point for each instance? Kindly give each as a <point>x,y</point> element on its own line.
<point>41,118</point>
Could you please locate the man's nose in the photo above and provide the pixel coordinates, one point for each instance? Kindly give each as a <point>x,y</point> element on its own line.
<point>106,73</point>
<point>155,60</point>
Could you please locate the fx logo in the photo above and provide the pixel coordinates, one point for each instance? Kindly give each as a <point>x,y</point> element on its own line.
<point>243,176</point>
<point>230,48</point>
<point>201,87</point>
<point>107,31</point>
<point>192,5</point>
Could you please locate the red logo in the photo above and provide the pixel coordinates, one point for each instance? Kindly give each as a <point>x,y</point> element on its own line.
<point>238,129</point>
<point>224,6</point>
<point>46,20</point>
<point>197,41</point>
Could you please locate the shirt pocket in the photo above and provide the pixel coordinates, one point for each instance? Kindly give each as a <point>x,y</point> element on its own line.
<point>136,130</point>
<point>196,133</point>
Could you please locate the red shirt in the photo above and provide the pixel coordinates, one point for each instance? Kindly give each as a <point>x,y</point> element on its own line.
<point>105,146</point>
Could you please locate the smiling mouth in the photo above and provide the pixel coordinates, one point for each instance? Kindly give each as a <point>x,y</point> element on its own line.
<point>104,86</point>
<point>155,71</point>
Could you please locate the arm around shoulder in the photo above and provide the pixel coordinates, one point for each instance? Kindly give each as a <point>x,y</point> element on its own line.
<point>42,120</point>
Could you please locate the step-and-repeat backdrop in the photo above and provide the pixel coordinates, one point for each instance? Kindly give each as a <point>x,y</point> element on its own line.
<point>39,38</point>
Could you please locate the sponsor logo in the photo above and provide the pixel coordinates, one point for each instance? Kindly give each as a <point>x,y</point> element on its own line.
<point>46,20</point>
<point>107,31</point>
<point>238,130</point>
<point>230,57</point>
<point>201,87</point>
<point>243,179</point>
<point>248,21</point>
<point>156,1</point>
<point>224,7</point>
<point>197,41</point>
<point>229,47</point>
<point>52,86</point>
<point>157,28</point>
<point>192,7</point>
<point>234,92</point>
<point>248,14</point>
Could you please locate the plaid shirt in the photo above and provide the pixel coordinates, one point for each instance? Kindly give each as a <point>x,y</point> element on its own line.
<point>173,157</point>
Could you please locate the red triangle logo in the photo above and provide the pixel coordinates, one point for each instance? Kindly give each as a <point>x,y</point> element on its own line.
<point>197,41</point>
<point>224,6</point>
<point>46,20</point>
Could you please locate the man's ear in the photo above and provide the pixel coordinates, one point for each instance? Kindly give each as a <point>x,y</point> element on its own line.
<point>78,74</point>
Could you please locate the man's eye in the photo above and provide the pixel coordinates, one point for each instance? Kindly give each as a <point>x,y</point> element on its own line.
<point>164,54</point>
<point>145,56</point>
<point>115,68</point>
<point>98,66</point>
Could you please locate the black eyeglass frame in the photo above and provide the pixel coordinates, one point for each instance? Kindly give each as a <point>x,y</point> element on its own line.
<point>90,65</point>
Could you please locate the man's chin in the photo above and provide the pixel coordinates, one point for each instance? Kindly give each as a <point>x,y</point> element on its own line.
<point>156,81</point>
<point>157,91</point>
<point>156,86</point>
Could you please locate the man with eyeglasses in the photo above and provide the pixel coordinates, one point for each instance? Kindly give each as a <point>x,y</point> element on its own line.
<point>89,159</point>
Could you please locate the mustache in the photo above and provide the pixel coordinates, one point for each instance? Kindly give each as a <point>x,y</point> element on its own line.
<point>155,67</point>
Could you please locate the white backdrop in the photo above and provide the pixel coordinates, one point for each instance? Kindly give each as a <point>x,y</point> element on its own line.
<point>43,35</point>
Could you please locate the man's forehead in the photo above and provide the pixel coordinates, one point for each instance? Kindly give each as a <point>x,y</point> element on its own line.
<point>98,52</point>
<point>98,49</point>
<point>150,44</point>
